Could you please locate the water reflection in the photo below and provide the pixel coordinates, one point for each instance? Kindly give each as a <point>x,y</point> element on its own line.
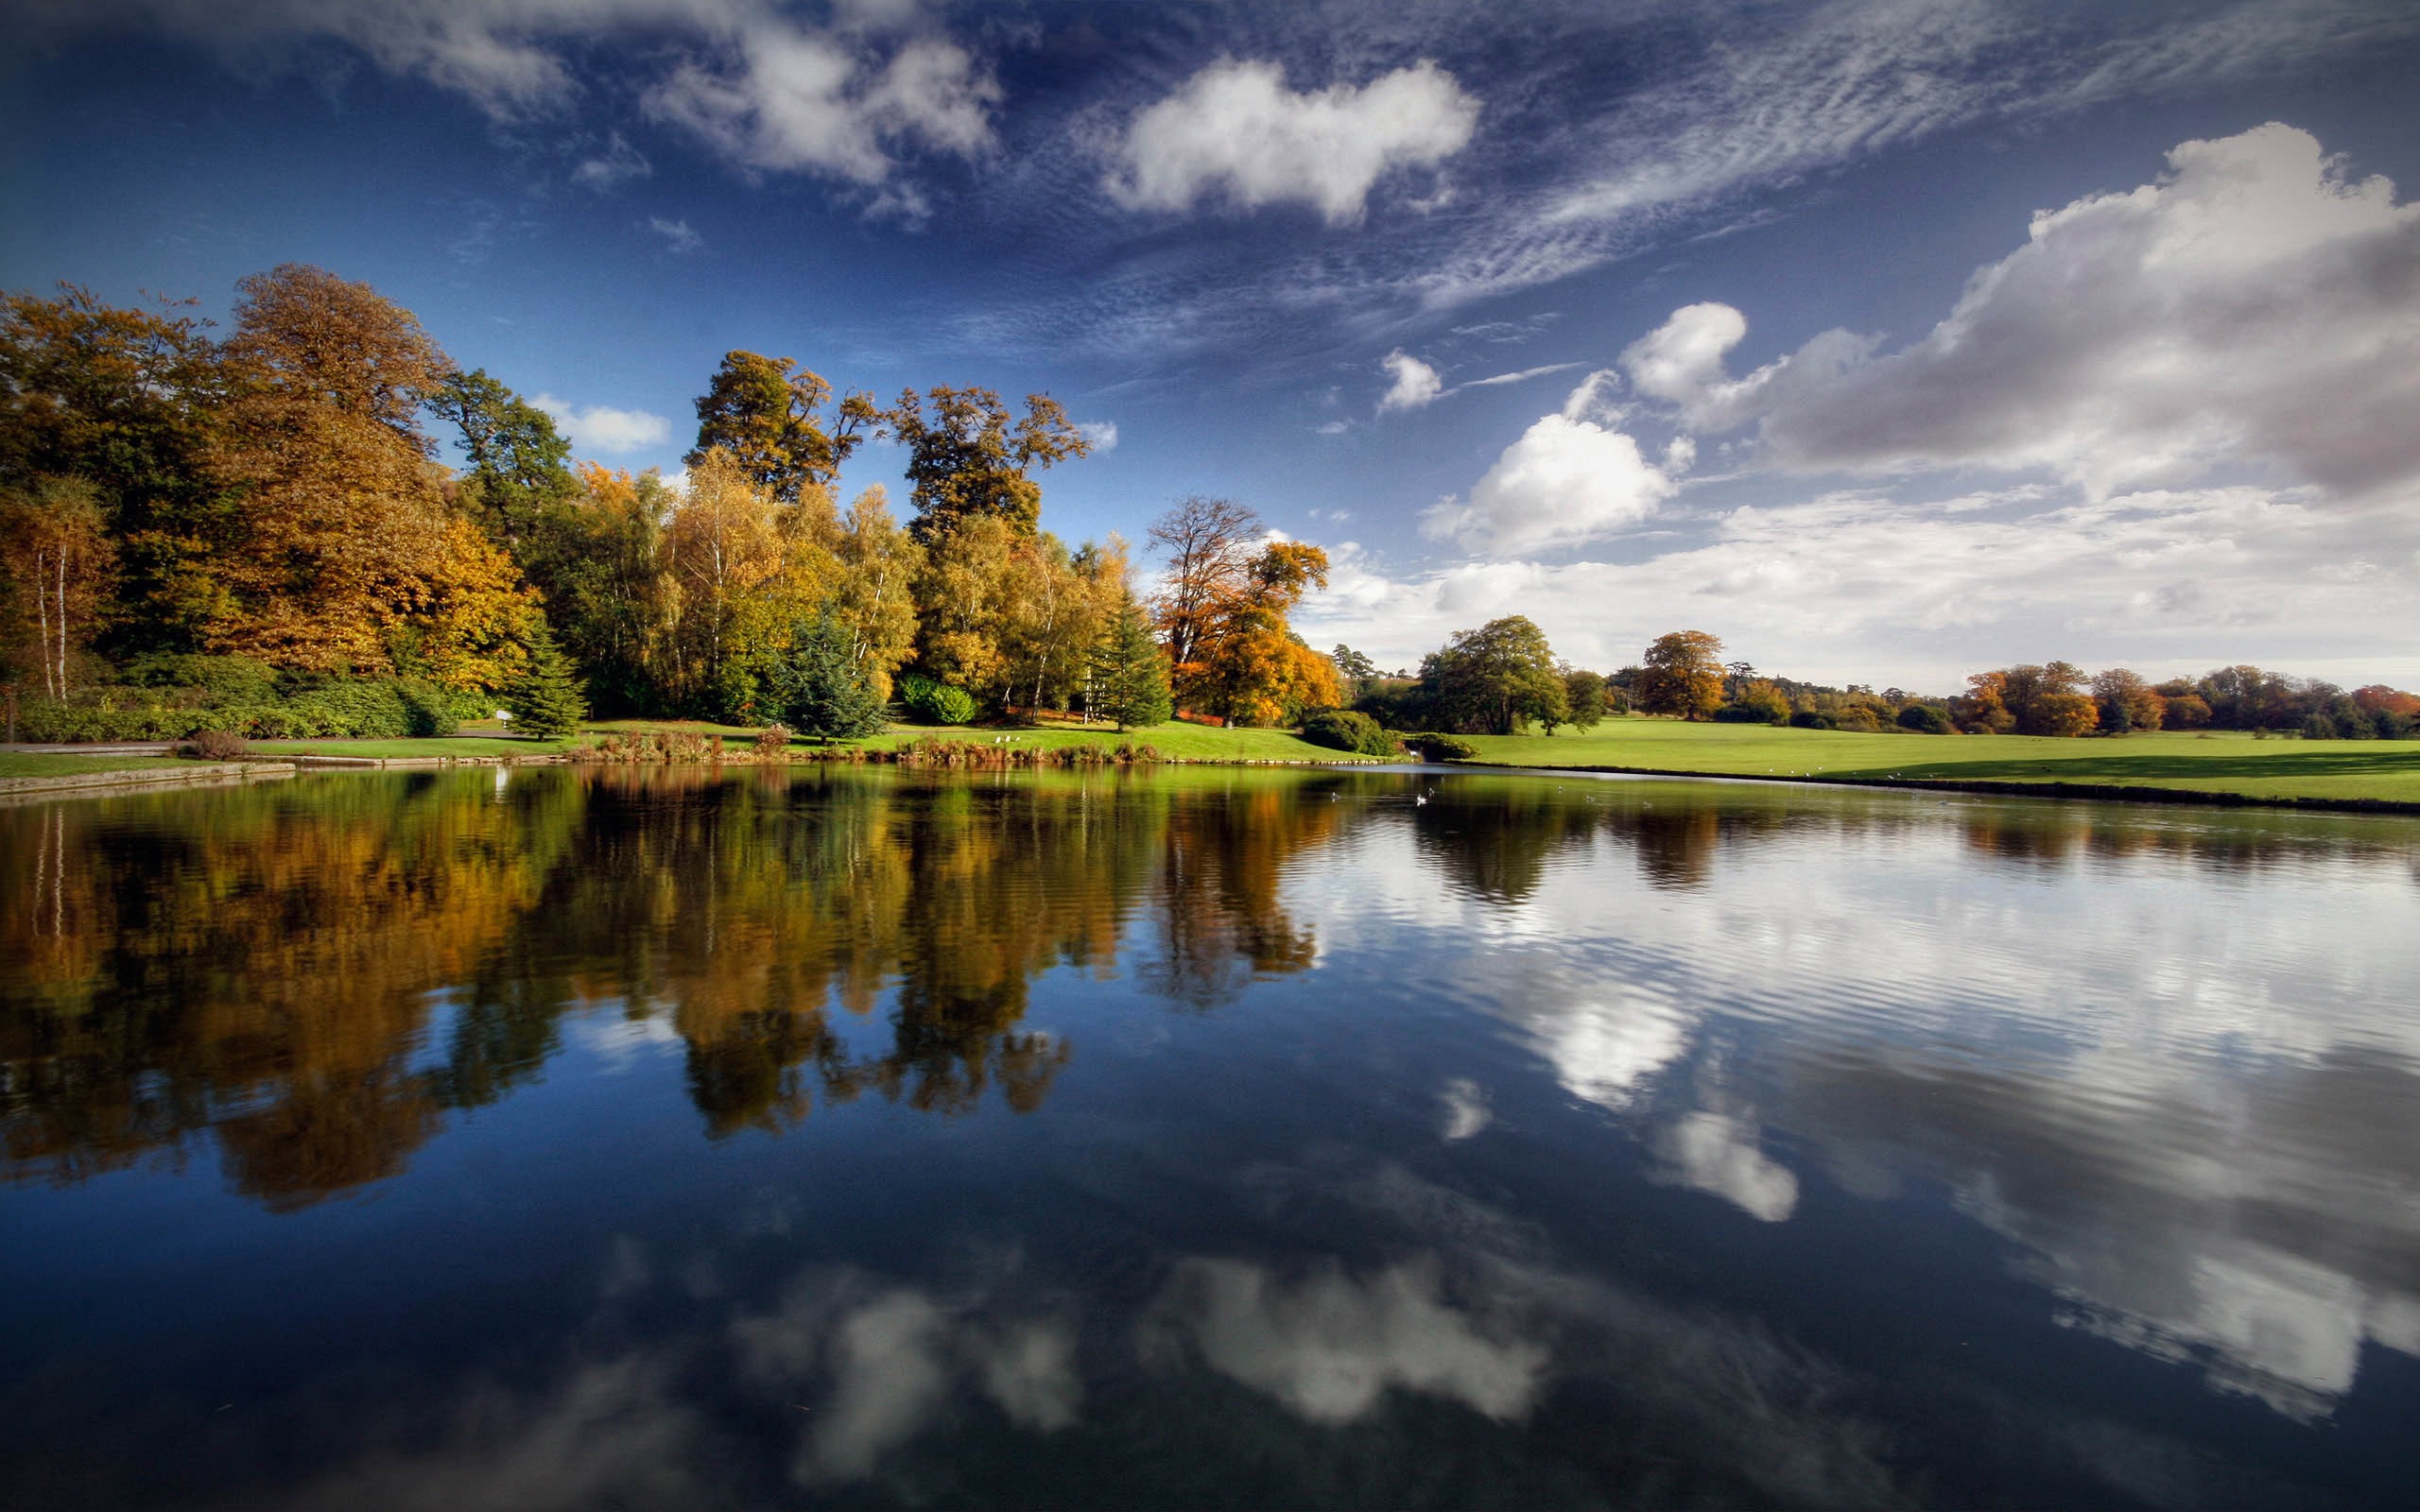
<point>1204,1138</point>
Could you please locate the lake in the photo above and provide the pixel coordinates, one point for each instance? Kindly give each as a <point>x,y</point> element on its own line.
<point>1201,1138</point>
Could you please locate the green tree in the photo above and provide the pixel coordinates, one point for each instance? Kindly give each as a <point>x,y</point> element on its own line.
<point>545,700</point>
<point>769,414</point>
<point>1585,692</point>
<point>1358,674</point>
<point>519,463</point>
<point>820,687</point>
<point>1128,672</point>
<point>966,457</point>
<point>1681,674</point>
<point>1494,680</point>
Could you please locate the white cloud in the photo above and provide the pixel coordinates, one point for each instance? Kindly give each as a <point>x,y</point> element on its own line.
<point>1521,377</point>
<point>619,164</point>
<point>766,90</point>
<point>1860,587</point>
<point>677,235</point>
<point>2255,304</point>
<point>1234,129</point>
<point>788,100</point>
<point>1415,382</point>
<point>1568,480</point>
<point>1716,1153</point>
<point>1329,1347</point>
<point>602,428</point>
<point>1102,433</point>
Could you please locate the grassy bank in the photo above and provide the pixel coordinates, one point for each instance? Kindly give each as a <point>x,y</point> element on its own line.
<point>15,764</point>
<point>2223,763</point>
<point>1173,741</point>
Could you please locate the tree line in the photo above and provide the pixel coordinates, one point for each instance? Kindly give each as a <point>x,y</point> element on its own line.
<point>1503,679</point>
<point>195,524</point>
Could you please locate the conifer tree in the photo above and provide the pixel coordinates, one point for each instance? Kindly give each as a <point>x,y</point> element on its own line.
<point>822,689</point>
<point>1130,678</point>
<point>544,702</point>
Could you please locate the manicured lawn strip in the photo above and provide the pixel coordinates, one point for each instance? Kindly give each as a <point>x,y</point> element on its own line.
<point>1179,741</point>
<point>39,764</point>
<point>489,746</point>
<point>1186,742</point>
<point>2227,762</point>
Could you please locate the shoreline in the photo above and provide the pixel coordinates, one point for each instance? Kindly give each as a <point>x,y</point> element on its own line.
<point>2089,791</point>
<point>200,774</point>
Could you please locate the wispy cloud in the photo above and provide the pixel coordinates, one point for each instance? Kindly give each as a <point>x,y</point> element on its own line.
<point>677,235</point>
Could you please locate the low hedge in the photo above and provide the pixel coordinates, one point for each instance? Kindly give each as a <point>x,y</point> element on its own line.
<point>381,709</point>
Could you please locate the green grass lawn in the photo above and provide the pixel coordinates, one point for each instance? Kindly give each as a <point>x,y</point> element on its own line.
<point>41,763</point>
<point>2224,762</point>
<point>1187,742</point>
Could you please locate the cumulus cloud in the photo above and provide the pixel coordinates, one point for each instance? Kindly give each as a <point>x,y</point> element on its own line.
<point>788,100</point>
<point>1102,433</point>
<point>2256,303</point>
<point>1415,381</point>
<point>1714,1153</point>
<point>1235,129</point>
<point>1329,1345</point>
<point>677,235</point>
<point>1568,480</point>
<point>602,428</point>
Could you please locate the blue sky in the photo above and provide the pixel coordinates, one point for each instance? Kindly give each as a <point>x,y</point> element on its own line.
<point>1887,341</point>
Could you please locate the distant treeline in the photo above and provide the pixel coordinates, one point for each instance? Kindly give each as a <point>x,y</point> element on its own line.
<point>1504,678</point>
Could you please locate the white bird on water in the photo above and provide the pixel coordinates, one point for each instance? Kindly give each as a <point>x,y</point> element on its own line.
<point>1418,798</point>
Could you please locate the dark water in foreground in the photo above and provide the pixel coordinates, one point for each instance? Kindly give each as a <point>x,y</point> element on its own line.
<point>1209,1138</point>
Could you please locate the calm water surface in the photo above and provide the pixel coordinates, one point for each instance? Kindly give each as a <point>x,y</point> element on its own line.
<point>1202,1138</point>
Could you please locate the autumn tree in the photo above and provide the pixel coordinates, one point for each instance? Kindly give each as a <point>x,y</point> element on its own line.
<point>742,573</point>
<point>2048,699</point>
<point>967,457</point>
<point>1127,677</point>
<point>873,594</point>
<point>340,527</point>
<point>56,573</point>
<point>1358,674</point>
<point>1495,680</point>
<point>963,593</point>
<point>2126,702</point>
<point>1983,709</point>
<point>1209,545</point>
<point>129,401</point>
<point>1681,674</point>
<point>771,416</point>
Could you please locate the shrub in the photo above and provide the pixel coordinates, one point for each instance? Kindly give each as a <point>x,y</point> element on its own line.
<point>1442,747</point>
<point>216,746</point>
<point>1926,719</point>
<point>1813,719</point>
<point>1343,730</point>
<point>213,682</point>
<point>935,703</point>
<point>368,710</point>
<point>1859,718</point>
<point>1740,713</point>
<point>773,743</point>
<point>429,710</point>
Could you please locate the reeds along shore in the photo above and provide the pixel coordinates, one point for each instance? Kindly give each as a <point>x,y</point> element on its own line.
<point>683,747</point>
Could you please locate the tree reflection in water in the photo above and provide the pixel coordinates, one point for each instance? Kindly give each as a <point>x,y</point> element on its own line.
<point>312,974</point>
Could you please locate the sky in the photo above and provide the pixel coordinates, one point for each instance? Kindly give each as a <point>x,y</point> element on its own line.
<point>1886,341</point>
